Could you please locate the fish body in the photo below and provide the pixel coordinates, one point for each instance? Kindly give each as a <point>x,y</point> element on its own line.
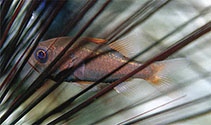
<point>91,71</point>
<point>98,67</point>
<point>102,65</point>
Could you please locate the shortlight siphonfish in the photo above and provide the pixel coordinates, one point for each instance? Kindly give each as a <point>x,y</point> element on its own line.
<point>156,73</point>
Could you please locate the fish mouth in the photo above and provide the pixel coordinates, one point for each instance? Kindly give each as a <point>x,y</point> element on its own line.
<point>33,67</point>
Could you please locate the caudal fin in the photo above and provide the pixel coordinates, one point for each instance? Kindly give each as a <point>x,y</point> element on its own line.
<point>164,75</point>
<point>167,73</point>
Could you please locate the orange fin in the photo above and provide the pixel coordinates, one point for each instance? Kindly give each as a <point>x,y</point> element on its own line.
<point>167,73</point>
<point>84,82</point>
<point>163,78</point>
<point>95,40</point>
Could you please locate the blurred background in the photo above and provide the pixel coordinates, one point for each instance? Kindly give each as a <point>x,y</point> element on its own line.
<point>185,99</point>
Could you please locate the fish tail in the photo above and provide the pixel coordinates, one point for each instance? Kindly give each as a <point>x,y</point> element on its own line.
<point>165,74</point>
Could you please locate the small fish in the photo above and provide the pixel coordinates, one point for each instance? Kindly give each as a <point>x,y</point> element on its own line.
<point>100,66</point>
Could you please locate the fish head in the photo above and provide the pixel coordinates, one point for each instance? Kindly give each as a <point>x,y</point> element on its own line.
<point>47,51</point>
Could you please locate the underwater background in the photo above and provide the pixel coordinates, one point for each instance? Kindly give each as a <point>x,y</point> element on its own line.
<point>153,27</point>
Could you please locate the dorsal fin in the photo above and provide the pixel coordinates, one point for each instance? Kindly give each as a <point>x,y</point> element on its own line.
<point>95,40</point>
<point>125,46</point>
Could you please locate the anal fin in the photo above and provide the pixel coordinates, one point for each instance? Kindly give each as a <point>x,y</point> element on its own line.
<point>84,82</point>
<point>125,88</point>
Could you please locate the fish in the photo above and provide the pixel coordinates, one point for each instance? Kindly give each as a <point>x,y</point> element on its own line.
<point>87,73</point>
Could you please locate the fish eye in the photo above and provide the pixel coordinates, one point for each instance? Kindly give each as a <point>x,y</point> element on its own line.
<point>41,55</point>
